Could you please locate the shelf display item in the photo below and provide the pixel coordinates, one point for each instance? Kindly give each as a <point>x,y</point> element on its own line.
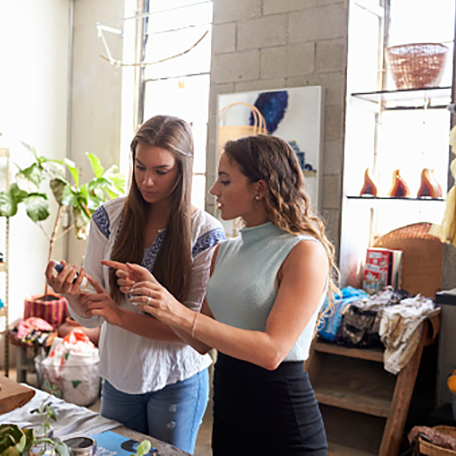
<point>369,188</point>
<point>383,267</point>
<point>399,188</point>
<point>417,65</point>
<point>429,187</point>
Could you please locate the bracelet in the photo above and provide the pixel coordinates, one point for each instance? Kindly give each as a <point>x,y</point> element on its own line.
<point>194,325</point>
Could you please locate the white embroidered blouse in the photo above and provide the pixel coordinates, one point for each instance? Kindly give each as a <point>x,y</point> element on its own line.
<point>131,363</point>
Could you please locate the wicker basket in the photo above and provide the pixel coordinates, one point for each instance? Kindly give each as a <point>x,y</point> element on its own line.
<point>417,65</point>
<point>429,449</point>
<point>231,132</point>
<point>422,258</point>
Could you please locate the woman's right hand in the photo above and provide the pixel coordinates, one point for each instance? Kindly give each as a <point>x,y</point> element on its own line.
<point>128,274</point>
<point>66,282</point>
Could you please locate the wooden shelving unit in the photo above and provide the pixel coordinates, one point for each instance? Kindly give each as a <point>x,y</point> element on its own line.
<point>364,406</point>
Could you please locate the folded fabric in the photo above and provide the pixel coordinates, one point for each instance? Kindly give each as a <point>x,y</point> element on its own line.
<point>360,323</point>
<point>31,324</point>
<point>399,330</point>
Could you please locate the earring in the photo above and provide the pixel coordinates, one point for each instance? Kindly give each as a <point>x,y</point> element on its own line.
<point>257,197</point>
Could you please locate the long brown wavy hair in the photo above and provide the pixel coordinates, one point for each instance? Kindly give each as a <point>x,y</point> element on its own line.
<point>286,203</point>
<point>172,267</point>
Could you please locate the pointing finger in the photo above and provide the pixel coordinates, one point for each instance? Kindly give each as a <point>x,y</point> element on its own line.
<point>114,264</point>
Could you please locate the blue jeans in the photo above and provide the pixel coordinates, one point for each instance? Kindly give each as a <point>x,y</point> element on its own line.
<point>172,414</point>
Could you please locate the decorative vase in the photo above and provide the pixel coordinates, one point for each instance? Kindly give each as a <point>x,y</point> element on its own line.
<point>399,188</point>
<point>429,187</point>
<point>369,188</point>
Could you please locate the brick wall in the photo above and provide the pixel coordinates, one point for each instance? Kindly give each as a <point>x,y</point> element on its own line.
<point>273,44</point>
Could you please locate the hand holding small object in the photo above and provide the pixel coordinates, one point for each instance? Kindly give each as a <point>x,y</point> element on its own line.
<point>65,279</point>
<point>59,267</point>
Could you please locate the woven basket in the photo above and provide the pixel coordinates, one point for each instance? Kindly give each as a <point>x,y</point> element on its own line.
<point>417,65</point>
<point>422,257</point>
<point>429,449</point>
<point>231,132</point>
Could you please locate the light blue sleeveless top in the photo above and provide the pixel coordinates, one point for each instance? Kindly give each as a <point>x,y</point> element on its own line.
<point>241,291</point>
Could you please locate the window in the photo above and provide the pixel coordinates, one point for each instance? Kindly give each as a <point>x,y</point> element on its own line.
<point>176,50</point>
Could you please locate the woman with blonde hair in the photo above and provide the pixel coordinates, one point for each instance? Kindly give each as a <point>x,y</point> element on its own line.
<point>262,305</point>
<point>153,382</point>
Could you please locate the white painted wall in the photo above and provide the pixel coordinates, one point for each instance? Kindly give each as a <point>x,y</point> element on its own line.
<point>33,108</point>
<point>96,105</point>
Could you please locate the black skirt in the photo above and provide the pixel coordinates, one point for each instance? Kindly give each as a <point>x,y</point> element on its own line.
<point>261,412</point>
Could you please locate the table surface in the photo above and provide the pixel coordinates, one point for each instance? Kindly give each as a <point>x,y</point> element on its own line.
<point>71,418</point>
<point>164,449</point>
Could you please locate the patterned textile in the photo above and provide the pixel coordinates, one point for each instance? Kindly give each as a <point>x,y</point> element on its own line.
<point>101,219</point>
<point>360,324</point>
<point>33,331</point>
<point>53,308</point>
<point>208,240</point>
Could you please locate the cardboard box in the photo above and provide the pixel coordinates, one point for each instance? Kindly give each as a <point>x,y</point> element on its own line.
<point>383,267</point>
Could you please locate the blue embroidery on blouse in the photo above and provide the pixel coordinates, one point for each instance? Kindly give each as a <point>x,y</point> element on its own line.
<point>208,240</point>
<point>101,219</point>
<point>152,251</point>
<point>204,242</point>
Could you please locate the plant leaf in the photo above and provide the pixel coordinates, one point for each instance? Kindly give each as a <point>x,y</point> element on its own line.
<point>98,183</point>
<point>97,168</point>
<point>69,196</point>
<point>29,179</point>
<point>12,439</point>
<point>118,179</point>
<point>37,207</point>
<point>58,186</point>
<point>8,205</point>
<point>73,170</point>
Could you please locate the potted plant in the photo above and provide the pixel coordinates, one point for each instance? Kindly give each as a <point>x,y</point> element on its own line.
<point>15,440</point>
<point>78,201</point>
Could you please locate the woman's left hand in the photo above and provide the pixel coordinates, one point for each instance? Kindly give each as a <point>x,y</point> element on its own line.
<point>152,298</point>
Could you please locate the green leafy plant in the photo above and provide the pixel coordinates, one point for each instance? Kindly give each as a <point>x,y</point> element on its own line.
<point>13,439</point>
<point>77,200</point>
<point>16,441</point>
<point>46,414</point>
<point>43,436</point>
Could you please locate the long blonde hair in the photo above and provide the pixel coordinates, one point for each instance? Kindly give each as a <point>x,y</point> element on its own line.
<point>172,267</point>
<point>287,205</point>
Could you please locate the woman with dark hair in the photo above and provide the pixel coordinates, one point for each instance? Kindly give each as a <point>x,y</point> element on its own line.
<point>263,301</point>
<point>153,382</point>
